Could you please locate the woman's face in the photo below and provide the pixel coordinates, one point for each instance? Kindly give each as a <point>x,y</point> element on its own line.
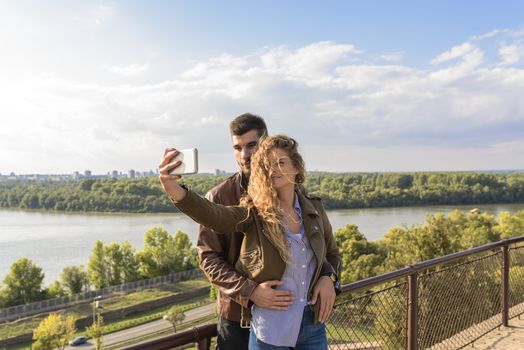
<point>283,172</point>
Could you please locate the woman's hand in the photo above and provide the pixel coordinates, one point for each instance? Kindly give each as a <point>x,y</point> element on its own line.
<point>169,182</point>
<point>326,291</point>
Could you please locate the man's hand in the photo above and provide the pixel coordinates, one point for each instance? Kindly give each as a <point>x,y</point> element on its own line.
<point>326,291</point>
<point>267,297</point>
<point>169,182</point>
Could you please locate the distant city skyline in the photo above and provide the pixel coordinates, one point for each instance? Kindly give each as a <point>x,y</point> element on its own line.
<point>88,174</point>
<point>363,86</point>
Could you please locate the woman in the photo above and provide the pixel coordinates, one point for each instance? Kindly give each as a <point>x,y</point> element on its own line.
<point>287,237</point>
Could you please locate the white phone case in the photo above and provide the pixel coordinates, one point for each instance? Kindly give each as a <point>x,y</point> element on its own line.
<point>189,158</point>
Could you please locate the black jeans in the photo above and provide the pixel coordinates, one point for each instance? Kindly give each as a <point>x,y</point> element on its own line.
<point>231,336</point>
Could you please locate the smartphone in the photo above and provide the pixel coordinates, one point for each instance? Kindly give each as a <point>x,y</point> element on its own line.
<point>189,158</point>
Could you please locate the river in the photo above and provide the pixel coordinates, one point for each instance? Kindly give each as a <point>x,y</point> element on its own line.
<point>55,240</point>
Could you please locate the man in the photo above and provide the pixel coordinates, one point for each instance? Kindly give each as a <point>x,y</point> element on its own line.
<point>218,252</point>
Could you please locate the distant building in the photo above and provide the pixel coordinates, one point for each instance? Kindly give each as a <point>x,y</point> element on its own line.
<point>131,173</point>
<point>87,173</point>
<point>114,173</point>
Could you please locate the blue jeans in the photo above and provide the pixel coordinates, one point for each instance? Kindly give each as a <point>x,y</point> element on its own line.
<point>311,337</point>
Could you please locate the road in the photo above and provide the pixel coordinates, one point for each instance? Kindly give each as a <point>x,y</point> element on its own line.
<point>146,328</point>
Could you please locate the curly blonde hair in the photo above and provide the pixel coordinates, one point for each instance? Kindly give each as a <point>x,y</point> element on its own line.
<point>262,196</point>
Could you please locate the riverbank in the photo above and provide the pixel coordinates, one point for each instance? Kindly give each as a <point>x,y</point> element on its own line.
<point>56,240</point>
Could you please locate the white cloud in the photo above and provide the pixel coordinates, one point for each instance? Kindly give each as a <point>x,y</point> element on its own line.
<point>510,54</point>
<point>471,59</point>
<point>97,16</point>
<point>317,93</point>
<point>129,70</point>
<point>103,13</point>
<point>393,57</point>
<point>455,52</point>
<point>519,32</point>
<point>489,35</point>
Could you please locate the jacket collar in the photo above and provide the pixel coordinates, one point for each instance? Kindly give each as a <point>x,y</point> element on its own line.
<point>307,207</point>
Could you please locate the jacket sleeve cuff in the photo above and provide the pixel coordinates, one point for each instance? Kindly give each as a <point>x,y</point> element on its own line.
<point>245,293</point>
<point>183,199</point>
<point>327,269</point>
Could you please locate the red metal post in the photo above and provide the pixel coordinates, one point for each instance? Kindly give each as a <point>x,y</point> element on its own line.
<point>204,344</point>
<point>504,286</point>
<point>412,312</point>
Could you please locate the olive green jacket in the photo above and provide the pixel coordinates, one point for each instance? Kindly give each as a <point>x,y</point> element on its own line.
<point>259,260</point>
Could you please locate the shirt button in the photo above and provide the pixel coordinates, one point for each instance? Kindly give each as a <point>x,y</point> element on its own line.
<point>303,282</point>
<point>303,266</point>
<point>303,249</point>
<point>302,300</point>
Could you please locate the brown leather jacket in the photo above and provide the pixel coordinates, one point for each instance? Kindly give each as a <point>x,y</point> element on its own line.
<point>219,253</point>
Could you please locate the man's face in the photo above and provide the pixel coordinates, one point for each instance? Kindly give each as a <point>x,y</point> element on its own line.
<point>244,146</point>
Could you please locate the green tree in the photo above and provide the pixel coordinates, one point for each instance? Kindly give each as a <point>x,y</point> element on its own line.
<point>159,256</point>
<point>74,279</point>
<point>54,332</point>
<point>213,295</point>
<point>3,297</point>
<point>113,255</point>
<point>175,315</point>
<point>186,256</point>
<point>55,290</point>
<point>480,230</point>
<point>130,263</point>
<point>96,332</point>
<point>23,284</point>
<point>401,246</point>
<point>360,258</point>
<point>510,225</point>
<point>97,267</point>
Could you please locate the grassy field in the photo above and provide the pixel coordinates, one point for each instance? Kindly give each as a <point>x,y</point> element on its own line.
<point>28,324</point>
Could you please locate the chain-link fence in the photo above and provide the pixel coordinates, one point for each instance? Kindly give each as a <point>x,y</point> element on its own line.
<point>516,281</point>
<point>372,320</point>
<point>14,312</point>
<point>454,301</point>
<point>457,304</point>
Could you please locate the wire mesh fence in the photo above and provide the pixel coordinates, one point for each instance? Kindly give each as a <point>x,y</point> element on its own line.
<point>14,312</point>
<point>516,281</point>
<point>372,320</point>
<point>457,304</point>
<point>458,300</point>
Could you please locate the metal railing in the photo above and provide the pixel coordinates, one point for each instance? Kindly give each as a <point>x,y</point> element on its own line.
<point>444,303</point>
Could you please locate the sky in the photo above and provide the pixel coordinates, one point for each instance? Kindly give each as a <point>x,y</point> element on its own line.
<point>361,85</point>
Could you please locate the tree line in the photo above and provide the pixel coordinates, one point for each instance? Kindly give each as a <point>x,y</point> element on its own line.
<point>108,265</point>
<point>437,236</point>
<point>355,190</point>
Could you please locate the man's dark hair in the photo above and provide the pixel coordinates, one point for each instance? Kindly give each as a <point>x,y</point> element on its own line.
<point>247,122</point>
